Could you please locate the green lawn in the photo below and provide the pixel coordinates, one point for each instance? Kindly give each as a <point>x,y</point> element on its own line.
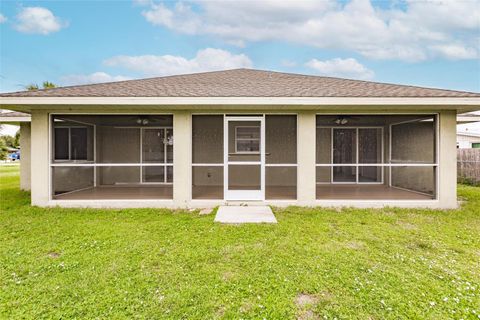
<point>316,263</point>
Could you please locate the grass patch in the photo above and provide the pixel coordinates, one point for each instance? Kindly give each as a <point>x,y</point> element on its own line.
<point>316,263</point>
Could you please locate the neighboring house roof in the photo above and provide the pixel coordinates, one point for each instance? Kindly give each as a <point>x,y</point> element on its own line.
<point>13,114</point>
<point>468,118</point>
<point>13,117</point>
<point>244,83</point>
<point>469,134</point>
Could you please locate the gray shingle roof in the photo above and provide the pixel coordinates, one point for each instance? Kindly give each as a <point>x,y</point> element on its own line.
<point>242,83</point>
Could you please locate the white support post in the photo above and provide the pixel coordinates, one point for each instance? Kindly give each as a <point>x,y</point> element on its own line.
<point>306,171</point>
<point>447,160</point>
<point>39,167</point>
<point>182,155</point>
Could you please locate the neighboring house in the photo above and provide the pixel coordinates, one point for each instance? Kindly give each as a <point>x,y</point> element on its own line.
<point>467,140</point>
<point>23,120</point>
<point>243,136</point>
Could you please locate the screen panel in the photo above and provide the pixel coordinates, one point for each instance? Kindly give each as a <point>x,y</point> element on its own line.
<point>281,183</point>
<point>207,139</point>
<point>344,146</point>
<point>207,183</point>
<point>281,139</point>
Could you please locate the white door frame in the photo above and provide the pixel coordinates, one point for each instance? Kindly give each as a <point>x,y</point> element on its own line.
<point>244,195</point>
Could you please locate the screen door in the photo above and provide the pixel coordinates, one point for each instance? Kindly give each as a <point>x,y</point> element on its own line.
<point>244,148</point>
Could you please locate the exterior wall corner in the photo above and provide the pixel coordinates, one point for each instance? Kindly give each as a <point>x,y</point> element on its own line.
<point>25,156</point>
<point>306,182</point>
<point>39,166</point>
<point>447,160</point>
<point>182,156</point>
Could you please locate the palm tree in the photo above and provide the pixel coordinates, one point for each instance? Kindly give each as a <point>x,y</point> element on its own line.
<point>45,84</point>
<point>48,85</point>
<point>31,87</point>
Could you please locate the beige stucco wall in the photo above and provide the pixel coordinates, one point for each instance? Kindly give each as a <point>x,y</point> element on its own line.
<point>447,171</point>
<point>182,155</point>
<point>306,189</point>
<point>39,165</point>
<point>182,165</point>
<point>25,157</point>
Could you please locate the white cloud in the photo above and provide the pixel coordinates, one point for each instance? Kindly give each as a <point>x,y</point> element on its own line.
<point>344,68</point>
<point>2,18</point>
<point>455,52</point>
<point>142,2</point>
<point>183,19</point>
<point>208,59</point>
<point>38,20</point>
<point>96,77</point>
<point>409,32</point>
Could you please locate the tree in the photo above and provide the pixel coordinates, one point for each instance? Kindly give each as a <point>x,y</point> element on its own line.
<point>17,138</point>
<point>45,85</point>
<point>5,143</point>
<point>31,87</point>
<point>3,150</point>
<point>49,85</point>
<point>8,141</point>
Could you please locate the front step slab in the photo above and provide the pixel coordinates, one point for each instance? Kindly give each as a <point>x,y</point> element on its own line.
<point>245,214</point>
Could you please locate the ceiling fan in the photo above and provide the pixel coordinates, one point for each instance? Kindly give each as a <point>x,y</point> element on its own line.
<point>343,120</point>
<point>146,120</point>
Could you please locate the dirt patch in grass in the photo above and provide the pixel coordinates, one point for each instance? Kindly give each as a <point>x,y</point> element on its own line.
<point>246,307</point>
<point>220,312</point>
<point>355,245</point>
<point>305,304</point>
<point>228,275</point>
<point>407,225</point>
<point>53,255</point>
<point>304,299</point>
<point>233,248</point>
<point>205,211</point>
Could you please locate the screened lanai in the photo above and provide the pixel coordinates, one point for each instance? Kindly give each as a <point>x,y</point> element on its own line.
<point>376,157</point>
<point>102,157</point>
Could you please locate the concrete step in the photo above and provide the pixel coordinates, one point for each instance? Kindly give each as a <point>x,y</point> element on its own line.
<point>245,214</point>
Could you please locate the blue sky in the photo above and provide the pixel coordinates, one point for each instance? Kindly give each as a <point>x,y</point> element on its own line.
<point>433,44</point>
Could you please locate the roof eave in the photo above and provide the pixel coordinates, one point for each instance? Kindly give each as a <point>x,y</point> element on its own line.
<point>461,104</point>
<point>14,120</point>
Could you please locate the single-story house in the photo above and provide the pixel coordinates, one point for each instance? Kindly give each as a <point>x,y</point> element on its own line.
<point>468,140</point>
<point>242,136</point>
